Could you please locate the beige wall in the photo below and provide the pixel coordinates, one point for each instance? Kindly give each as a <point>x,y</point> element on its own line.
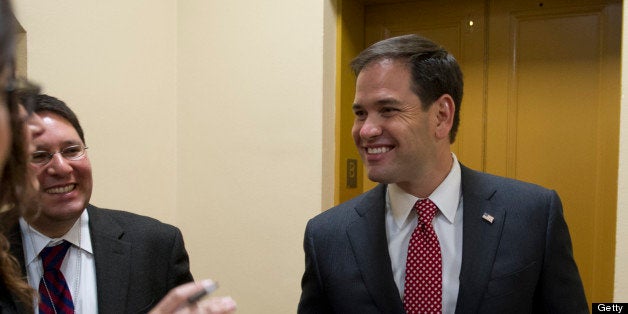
<point>207,115</point>
<point>250,143</point>
<point>114,63</point>
<point>216,116</point>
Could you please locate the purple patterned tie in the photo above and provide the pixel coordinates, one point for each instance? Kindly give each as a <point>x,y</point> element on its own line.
<point>54,294</point>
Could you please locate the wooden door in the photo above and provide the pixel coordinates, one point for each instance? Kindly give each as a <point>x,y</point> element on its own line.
<point>553,116</point>
<point>541,102</point>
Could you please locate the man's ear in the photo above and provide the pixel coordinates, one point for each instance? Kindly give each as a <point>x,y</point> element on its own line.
<point>444,115</point>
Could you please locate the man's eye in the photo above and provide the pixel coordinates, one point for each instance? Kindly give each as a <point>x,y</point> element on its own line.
<point>359,114</point>
<point>72,151</point>
<point>39,156</point>
<point>387,110</point>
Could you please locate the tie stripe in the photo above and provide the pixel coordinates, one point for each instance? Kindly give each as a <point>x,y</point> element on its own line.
<point>54,293</point>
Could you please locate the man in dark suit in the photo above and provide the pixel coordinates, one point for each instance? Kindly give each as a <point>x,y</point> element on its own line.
<point>489,244</point>
<point>118,262</point>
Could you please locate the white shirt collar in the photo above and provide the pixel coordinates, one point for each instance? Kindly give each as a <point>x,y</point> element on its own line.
<point>446,196</point>
<point>37,241</point>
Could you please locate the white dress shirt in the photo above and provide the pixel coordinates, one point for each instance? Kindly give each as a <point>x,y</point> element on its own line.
<point>77,267</point>
<point>401,221</point>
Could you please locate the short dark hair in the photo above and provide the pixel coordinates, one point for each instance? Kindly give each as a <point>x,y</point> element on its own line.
<point>434,71</point>
<point>48,103</point>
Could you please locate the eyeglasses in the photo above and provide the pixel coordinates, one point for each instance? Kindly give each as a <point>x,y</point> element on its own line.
<point>74,152</point>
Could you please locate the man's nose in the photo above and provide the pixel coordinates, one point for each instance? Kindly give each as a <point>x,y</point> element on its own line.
<point>371,128</point>
<point>58,165</point>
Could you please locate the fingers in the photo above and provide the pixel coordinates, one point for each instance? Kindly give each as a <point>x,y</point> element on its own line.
<point>177,298</point>
<point>215,305</point>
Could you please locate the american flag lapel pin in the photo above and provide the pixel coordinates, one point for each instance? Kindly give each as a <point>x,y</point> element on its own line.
<point>488,218</point>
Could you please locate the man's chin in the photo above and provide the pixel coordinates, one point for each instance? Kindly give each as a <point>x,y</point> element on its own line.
<point>61,216</point>
<point>378,177</point>
<point>62,210</point>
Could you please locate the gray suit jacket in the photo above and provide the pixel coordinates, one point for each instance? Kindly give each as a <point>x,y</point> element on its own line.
<point>520,263</point>
<point>138,259</point>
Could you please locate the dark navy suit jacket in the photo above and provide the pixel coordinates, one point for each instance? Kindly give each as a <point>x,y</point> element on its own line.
<point>522,262</point>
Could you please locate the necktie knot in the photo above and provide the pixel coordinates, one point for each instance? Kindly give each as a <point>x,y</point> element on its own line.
<point>426,209</point>
<point>52,256</point>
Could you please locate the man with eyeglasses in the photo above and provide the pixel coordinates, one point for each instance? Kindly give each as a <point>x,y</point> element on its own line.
<point>117,262</point>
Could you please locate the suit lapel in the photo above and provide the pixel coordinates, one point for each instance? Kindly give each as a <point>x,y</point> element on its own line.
<point>367,236</point>
<point>480,238</point>
<point>112,259</point>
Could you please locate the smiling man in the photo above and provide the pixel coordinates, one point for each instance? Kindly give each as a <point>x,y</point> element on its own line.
<point>434,236</point>
<point>111,261</point>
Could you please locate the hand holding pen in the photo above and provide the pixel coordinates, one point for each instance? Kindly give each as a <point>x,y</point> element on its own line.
<point>190,298</point>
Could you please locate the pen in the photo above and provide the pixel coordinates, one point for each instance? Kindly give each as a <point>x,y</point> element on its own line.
<point>207,290</point>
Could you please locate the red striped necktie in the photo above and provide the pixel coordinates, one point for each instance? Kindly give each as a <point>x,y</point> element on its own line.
<point>54,293</point>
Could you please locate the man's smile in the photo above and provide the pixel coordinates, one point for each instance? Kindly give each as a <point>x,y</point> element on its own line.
<point>61,189</point>
<point>377,150</point>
